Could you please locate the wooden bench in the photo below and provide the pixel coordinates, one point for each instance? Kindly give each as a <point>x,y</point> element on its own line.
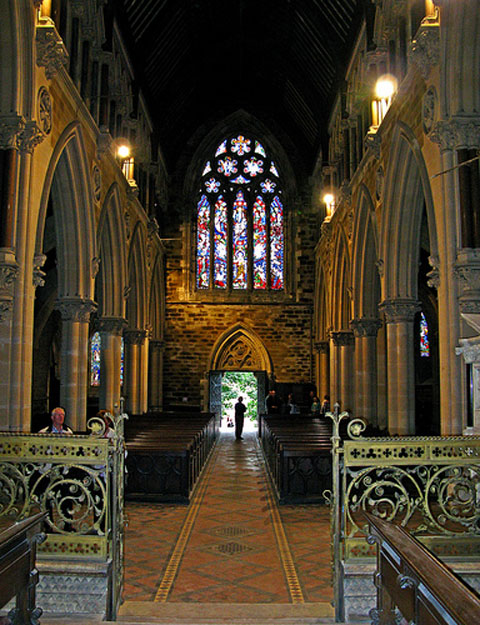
<point>166,454</point>
<point>297,450</point>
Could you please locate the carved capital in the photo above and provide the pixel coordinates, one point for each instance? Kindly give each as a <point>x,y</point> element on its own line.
<point>457,133</point>
<point>399,310</point>
<point>425,48</point>
<point>321,347</point>
<point>157,345</point>
<point>112,325</point>
<point>373,142</point>
<point>342,338</point>
<point>31,136</point>
<point>134,337</point>
<point>38,274</point>
<point>76,309</point>
<point>365,327</point>
<point>11,127</point>
<point>51,51</point>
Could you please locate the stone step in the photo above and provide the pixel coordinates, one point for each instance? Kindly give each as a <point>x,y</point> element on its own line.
<point>149,613</point>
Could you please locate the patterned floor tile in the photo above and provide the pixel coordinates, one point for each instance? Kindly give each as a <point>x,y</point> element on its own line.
<point>233,552</point>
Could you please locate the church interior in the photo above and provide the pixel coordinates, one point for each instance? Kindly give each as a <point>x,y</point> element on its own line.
<point>203,200</point>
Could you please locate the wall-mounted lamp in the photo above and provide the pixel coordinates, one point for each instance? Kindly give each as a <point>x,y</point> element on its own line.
<point>385,89</point>
<point>123,152</point>
<point>329,201</point>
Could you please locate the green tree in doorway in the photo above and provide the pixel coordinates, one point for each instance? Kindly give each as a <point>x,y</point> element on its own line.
<point>234,384</point>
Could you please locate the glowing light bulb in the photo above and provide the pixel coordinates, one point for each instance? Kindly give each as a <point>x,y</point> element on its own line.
<point>123,151</point>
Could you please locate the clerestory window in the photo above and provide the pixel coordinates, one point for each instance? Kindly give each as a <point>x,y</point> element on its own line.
<point>240,235</point>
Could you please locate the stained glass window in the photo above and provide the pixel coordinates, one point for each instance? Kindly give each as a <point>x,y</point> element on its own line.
<point>240,235</point>
<point>220,245</point>
<point>424,343</point>
<point>95,350</point>
<point>122,361</point>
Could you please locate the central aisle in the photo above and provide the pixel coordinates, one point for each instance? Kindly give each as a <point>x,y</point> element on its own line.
<point>232,544</point>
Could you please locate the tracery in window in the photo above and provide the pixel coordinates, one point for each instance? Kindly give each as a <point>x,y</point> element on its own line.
<point>240,239</point>
<point>424,342</point>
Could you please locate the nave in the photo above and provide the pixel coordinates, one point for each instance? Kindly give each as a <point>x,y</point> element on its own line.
<point>232,545</point>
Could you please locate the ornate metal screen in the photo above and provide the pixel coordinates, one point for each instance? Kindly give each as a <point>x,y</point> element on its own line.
<point>430,485</point>
<point>79,481</point>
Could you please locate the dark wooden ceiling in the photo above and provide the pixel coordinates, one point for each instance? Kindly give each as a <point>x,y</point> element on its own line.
<point>280,60</point>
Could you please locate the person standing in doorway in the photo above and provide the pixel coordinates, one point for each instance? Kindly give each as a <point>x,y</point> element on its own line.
<point>240,410</point>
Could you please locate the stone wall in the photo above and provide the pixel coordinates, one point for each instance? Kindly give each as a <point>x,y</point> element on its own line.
<point>191,331</point>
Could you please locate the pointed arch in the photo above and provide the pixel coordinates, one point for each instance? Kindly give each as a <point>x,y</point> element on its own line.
<point>137,278</point>
<point>157,299</point>
<point>365,278</point>
<point>111,240</point>
<point>240,348</point>
<point>68,180</point>
<point>340,303</point>
<point>407,188</point>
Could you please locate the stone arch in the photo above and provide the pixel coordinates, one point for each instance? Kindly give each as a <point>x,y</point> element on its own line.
<point>157,299</point>
<point>340,304</point>
<point>111,238</point>
<point>407,187</point>
<point>137,278</point>
<point>68,180</point>
<point>240,348</point>
<point>365,278</point>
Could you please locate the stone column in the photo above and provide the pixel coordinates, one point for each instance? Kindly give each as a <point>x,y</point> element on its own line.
<point>134,339</point>
<point>323,368</point>
<point>74,360</point>
<point>156,375</point>
<point>343,343</point>
<point>110,329</point>
<point>399,316</point>
<point>144,374</point>
<point>365,331</point>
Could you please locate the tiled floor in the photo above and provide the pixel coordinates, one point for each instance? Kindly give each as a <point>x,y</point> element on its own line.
<point>232,544</point>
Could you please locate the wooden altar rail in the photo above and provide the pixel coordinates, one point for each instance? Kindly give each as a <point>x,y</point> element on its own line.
<point>411,578</point>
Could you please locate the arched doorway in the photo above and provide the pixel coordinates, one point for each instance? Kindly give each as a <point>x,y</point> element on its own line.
<point>238,349</point>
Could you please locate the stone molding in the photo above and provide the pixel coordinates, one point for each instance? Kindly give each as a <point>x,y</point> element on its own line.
<point>457,133</point>
<point>75,309</point>
<point>469,349</point>
<point>425,48</point>
<point>467,272</point>
<point>38,273</point>
<point>9,271</point>
<point>321,347</point>
<point>11,127</point>
<point>104,141</point>
<point>373,142</point>
<point>134,337</point>
<point>44,110</point>
<point>399,310</point>
<point>51,51</point>
<point>433,276</point>
<point>112,325</point>
<point>365,327</point>
<point>342,338</point>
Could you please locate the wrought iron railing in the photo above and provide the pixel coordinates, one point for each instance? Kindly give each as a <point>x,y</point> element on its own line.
<point>79,481</point>
<point>430,485</point>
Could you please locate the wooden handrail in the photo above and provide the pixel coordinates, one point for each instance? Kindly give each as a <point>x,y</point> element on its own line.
<point>411,578</point>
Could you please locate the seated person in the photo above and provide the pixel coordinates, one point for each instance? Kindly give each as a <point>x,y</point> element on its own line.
<point>315,408</point>
<point>57,425</point>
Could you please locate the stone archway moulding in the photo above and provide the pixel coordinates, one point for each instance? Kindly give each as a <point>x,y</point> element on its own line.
<point>240,348</point>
